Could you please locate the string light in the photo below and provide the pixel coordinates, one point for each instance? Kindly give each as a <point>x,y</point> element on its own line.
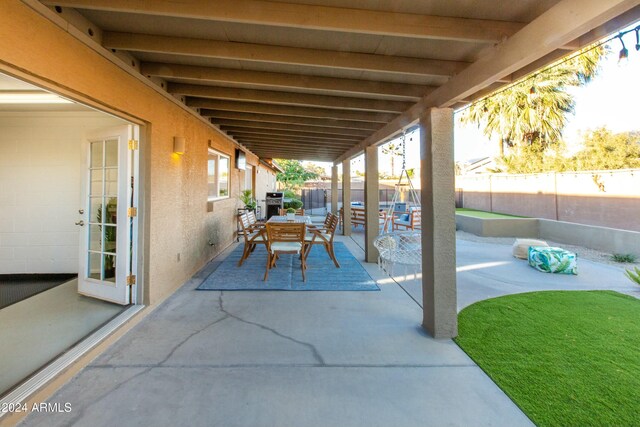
<point>624,52</point>
<point>556,64</point>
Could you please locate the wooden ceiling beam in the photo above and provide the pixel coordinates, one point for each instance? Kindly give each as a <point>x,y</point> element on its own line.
<point>286,110</point>
<point>307,121</point>
<point>297,156</point>
<point>326,137</point>
<point>270,136</point>
<point>283,81</point>
<point>312,17</point>
<point>287,98</point>
<point>300,141</point>
<point>312,150</point>
<point>281,54</point>
<point>295,142</point>
<point>279,126</point>
<point>559,25</point>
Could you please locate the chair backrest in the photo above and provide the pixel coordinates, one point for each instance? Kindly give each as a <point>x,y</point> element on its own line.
<point>416,217</point>
<point>251,215</point>
<point>243,221</point>
<point>331,224</point>
<point>298,211</point>
<point>285,232</point>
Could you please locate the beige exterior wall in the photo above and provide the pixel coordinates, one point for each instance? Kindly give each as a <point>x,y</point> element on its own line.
<point>177,215</point>
<point>602,198</point>
<point>265,182</point>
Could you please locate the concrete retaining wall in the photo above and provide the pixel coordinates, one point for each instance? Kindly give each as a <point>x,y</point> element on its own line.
<point>605,239</point>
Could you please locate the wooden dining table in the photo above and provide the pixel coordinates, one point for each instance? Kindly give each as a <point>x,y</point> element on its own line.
<point>296,219</point>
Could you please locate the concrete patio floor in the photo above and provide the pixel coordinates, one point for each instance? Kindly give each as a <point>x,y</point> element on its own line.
<point>209,358</point>
<point>488,270</point>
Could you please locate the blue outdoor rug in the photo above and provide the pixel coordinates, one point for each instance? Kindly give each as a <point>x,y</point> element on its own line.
<point>322,274</point>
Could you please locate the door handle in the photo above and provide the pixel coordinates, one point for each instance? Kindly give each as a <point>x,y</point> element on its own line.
<point>80,223</point>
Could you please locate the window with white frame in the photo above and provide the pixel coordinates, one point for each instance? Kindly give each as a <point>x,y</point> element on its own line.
<point>218,175</point>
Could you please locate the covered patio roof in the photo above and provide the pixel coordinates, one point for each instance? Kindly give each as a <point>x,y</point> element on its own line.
<point>315,80</point>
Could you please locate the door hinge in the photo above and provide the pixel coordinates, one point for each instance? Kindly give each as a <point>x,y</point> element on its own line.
<point>131,280</point>
<point>132,212</point>
<point>133,144</point>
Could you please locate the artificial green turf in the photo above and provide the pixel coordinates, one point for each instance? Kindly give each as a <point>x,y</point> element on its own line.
<point>484,214</point>
<point>566,358</point>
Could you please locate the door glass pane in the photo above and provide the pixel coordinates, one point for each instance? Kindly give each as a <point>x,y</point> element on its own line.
<point>95,177</point>
<point>94,265</point>
<point>96,155</point>
<point>95,238</point>
<point>111,182</point>
<point>111,153</point>
<point>111,211</point>
<point>109,239</point>
<point>109,268</point>
<point>95,209</point>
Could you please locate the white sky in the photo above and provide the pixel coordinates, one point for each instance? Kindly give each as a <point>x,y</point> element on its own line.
<point>610,100</point>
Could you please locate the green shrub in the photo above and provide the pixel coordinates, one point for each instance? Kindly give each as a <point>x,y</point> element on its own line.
<point>624,257</point>
<point>293,203</point>
<point>634,276</point>
<point>289,194</point>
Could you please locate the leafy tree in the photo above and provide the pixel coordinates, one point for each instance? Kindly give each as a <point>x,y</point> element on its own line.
<point>535,110</point>
<point>393,149</point>
<point>294,175</point>
<point>604,150</point>
<point>317,169</point>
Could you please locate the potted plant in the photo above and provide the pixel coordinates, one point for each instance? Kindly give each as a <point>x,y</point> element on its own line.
<point>246,197</point>
<point>291,214</point>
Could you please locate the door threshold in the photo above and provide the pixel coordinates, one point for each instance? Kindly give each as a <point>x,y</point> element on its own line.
<point>21,393</point>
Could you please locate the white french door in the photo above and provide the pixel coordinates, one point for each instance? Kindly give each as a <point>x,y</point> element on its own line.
<point>107,240</point>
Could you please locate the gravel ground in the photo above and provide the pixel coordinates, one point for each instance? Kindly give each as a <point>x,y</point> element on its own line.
<point>586,253</point>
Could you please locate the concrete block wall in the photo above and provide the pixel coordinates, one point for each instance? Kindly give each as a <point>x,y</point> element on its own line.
<point>600,198</point>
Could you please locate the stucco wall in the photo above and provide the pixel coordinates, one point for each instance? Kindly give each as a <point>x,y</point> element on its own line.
<point>265,182</point>
<point>40,182</point>
<point>176,187</point>
<point>602,198</point>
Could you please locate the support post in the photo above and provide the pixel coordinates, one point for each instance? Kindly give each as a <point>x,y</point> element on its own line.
<point>440,316</point>
<point>334,189</point>
<point>371,203</point>
<point>346,197</point>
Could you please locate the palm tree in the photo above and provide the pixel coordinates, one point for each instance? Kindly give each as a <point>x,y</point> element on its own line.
<point>535,110</point>
<point>393,149</point>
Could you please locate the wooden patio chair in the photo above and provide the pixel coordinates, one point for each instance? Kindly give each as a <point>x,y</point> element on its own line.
<point>323,235</point>
<point>251,215</point>
<point>300,212</point>
<point>285,238</point>
<point>254,234</point>
<point>411,220</point>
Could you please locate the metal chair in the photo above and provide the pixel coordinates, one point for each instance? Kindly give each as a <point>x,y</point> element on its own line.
<point>285,238</point>
<point>323,235</point>
<point>254,234</point>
